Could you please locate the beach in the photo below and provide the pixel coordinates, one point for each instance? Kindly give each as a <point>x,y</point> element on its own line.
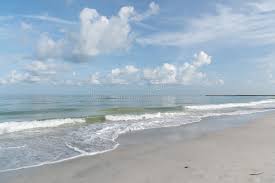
<point>122,91</point>
<point>242,153</point>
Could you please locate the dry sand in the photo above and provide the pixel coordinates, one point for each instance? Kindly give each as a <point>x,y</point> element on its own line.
<point>243,154</point>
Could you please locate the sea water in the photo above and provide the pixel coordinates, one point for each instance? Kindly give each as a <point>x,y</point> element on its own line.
<point>42,129</point>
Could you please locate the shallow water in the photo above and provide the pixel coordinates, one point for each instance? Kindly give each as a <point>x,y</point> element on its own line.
<point>35,130</point>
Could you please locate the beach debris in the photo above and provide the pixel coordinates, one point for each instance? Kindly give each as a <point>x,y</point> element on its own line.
<point>257,173</point>
<point>186,167</point>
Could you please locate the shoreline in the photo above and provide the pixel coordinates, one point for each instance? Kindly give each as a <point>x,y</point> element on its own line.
<point>107,161</point>
<point>139,132</point>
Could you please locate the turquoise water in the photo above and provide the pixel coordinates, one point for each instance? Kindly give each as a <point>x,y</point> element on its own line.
<point>35,130</point>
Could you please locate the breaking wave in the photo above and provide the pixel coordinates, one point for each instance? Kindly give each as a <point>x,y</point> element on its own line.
<point>98,134</point>
<point>9,127</point>
<point>229,105</point>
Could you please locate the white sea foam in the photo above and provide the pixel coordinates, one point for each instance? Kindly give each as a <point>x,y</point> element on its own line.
<point>128,117</point>
<point>99,138</point>
<point>13,147</point>
<point>95,138</point>
<point>131,117</point>
<point>234,113</point>
<point>229,105</point>
<point>9,127</point>
<point>76,149</point>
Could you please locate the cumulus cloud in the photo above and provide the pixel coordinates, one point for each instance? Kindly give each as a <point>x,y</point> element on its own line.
<point>98,34</point>
<point>125,75</point>
<point>42,68</point>
<point>94,78</point>
<point>166,74</point>
<point>129,69</point>
<point>190,71</point>
<point>180,74</point>
<point>16,77</point>
<point>201,59</point>
<point>49,48</point>
<point>185,74</point>
<point>35,72</point>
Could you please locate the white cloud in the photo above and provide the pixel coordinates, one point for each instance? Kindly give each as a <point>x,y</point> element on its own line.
<point>153,10</point>
<point>185,74</point>
<point>98,34</point>
<point>94,79</point>
<point>263,5</point>
<point>220,81</point>
<point>189,72</point>
<point>26,26</point>
<point>49,19</point>
<point>40,18</point>
<point>125,75</point>
<point>128,69</point>
<point>16,77</point>
<point>42,68</point>
<point>166,74</point>
<point>49,48</point>
<point>35,72</point>
<point>253,23</point>
<point>201,59</point>
<point>3,81</point>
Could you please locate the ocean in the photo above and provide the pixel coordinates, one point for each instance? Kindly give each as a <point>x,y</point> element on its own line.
<point>43,129</point>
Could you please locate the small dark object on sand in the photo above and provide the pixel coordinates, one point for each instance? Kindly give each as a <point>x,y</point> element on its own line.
<point>186,167</point>
<point>256,173</point>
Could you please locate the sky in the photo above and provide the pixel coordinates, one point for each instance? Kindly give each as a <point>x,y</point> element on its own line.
<point>75,46</point>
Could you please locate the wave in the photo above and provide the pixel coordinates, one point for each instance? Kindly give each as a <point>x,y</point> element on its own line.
<point>234,113</point>
<point>132,117</point>
<point>95,119</point>
<point>228,105</point>
<point>13,147</point>
<point>98,138</point>
<point>9,127</point>
<point>37,111</point>
<point>139,110</point>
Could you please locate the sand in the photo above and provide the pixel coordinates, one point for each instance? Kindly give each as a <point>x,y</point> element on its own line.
<point>244,154</point>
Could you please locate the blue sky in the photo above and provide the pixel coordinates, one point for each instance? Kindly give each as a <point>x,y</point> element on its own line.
<point>75,45</point>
